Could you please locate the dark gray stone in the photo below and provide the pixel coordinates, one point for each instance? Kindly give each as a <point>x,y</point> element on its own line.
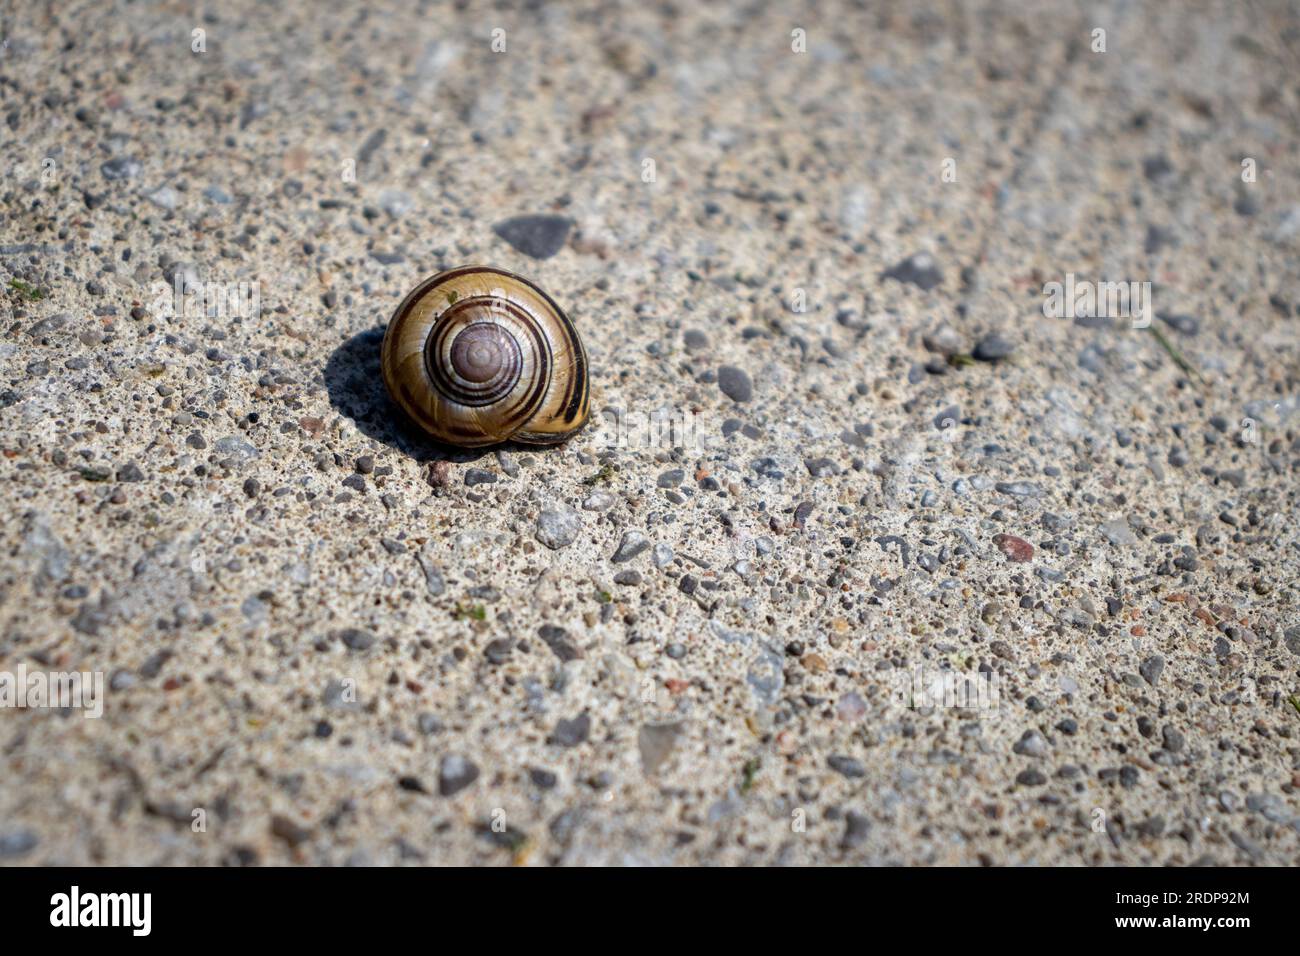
<point>356,639</point>
<point>1183,324</point>
<point>919,270</point>
<point>735,383</point>
<point>993,348</point>
<point>820,467</point>
<point>17,843</point>
<point>557,639</point>
<point>570,733</point>
<point>121,167</point>
<point>539,236</point>
<point>846,766</point>
<point>1151,668</point>
<point>455,773</point>
<point>633,544</point>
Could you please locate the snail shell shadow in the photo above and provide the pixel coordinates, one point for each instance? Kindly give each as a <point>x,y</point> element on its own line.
<point>356,391</point>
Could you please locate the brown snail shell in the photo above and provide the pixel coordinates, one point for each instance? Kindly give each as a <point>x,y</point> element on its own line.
<point>477,356</point>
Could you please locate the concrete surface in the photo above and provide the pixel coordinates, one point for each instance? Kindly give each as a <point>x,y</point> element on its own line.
<point>326,642</point>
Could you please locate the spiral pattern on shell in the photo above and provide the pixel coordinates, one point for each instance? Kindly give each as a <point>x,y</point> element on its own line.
<point>477,355</point>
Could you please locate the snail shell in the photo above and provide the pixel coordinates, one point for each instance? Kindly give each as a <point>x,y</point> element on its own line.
<point>477,356</point>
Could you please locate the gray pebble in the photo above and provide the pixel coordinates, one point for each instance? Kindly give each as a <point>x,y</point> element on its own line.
<point>507,463</point>
<point>671,479</point>
<point>121,167</point>
<point>1118,533</point>
<point>919,269</point>
<point>164,197</point>
<point>455,773</point>
<point>570,733</point>
<point>1173,739</point>
<point>1183,324</point>
<point>356,639</point>
<point>1019,489</point>
<point>1270,806</point>
<point>395,202</point>
<point>944,341</point>
<point>821,467</point>
<point>656,742</point>
<point>1156,167</point>
<point>557,639</point>
<point>846,766</point>
<point>542,778</point>
<point>1246,845</point>
<point>993,348</point>
<point>539,236</point>
<point>433,579</point>
<point>237,448</point>
<point>498,651</point>
<point>44,327</point>
<point>597,501</point>
<point>17,843</point>
<point>633,544</point>
<point>735,383</point>
<point>558,527</point>
<point>1032,744</point>
<point>1151,668</point>
<point>154,664</point>
<point>1030,778</point>
<point>857,827</point>
<point>429,724</point>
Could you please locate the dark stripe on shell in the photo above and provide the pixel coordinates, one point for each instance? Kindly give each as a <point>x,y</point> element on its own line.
<point>419,292</point>
<point>492,391</point>
<point>575,397</point>
<point>528,404</point>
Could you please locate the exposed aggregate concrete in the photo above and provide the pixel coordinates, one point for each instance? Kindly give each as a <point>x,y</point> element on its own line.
<point>345,645</point>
